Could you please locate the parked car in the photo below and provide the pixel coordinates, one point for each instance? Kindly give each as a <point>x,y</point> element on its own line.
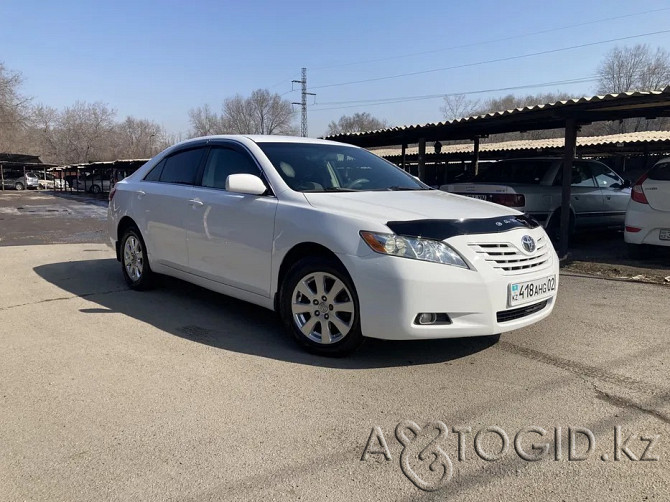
<point>17,180</point>
<point>341,242</point>
<point>648,213</point>
<point>49,181</point>
<point>91,183</point>
<point>599,196</point>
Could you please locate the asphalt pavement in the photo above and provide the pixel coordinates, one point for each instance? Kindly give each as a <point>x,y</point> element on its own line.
<point>182,394</point>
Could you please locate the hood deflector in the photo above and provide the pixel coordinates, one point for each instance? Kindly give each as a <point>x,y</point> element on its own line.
<point>443,229</point>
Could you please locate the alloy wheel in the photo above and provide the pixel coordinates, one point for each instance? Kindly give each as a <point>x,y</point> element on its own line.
<point>133,259</point>
<point>322,308</point>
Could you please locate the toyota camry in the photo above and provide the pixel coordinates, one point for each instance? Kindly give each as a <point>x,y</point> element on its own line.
<point>341,243</point>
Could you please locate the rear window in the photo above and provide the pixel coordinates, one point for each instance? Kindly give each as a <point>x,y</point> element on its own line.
<point>660,172</point>
<point>528,172</point>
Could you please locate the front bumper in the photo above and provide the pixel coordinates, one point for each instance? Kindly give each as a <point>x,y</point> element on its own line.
<point>393,290</point>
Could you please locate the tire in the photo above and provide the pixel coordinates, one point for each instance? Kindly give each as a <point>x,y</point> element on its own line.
<point>323,319</point>
<point>19,186</point>
<point>96,189</point>
<point>134,261</point>
<point>554,229</point>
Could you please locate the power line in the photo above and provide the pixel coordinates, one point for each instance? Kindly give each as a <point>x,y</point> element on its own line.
<point>504,39</point>
<point>435,96</point>
<point>498,60</point>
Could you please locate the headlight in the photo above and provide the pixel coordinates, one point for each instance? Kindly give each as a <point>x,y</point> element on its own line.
<point>415,248</point>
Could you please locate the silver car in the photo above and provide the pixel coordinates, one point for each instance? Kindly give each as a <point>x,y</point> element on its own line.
<point>19,181</point>
<point>599,195</point>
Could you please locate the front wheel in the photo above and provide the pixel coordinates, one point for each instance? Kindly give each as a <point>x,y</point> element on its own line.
<point>96,189</point>
<point>134,262</point>
<point>319,307</point>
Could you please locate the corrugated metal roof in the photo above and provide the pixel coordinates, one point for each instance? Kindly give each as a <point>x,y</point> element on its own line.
<point>534,144</point>
<point>565,104</point>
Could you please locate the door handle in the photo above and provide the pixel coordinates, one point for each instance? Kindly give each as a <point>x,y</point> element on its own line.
<point>576,197</point>
<point>196,203</point>
<point>140,194</point>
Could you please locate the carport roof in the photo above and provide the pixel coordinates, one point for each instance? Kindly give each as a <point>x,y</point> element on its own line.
<point>621,142</point>
<point>649,104</point>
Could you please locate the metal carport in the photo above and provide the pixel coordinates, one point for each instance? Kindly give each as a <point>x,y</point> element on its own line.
<point>569,114</point>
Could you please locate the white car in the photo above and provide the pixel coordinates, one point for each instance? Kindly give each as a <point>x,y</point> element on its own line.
<point>341,242</point>
<point>648,213</point>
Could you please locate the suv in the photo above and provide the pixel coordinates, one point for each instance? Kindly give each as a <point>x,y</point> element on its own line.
<point>599,196</point>
<point>17,180</point>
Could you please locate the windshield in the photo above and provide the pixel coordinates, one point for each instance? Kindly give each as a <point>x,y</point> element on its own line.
<point>529,172</point>
<point>335,168</point>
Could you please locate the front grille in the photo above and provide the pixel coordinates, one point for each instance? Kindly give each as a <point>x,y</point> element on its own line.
<point>518,313</point>
<point>508,259</point>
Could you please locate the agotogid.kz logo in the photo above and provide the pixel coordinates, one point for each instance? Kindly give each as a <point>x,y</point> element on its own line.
<point>528,243</point>
<point>425,462</point>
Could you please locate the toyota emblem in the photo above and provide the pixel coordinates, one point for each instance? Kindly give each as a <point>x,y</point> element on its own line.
<point>528,243</point>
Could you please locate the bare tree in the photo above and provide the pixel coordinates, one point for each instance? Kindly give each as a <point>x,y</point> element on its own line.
<point>633,69</point>
<point>205,122</point>
<point>261,113</point>
<point>637,68</point>
<point>358,122</point>
<point>79,133</point>
<point>458,106</point>
<point>138,138</point>
<point>13,108</point>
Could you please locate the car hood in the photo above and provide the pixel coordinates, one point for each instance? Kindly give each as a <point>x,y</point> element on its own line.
<point>405,206</point>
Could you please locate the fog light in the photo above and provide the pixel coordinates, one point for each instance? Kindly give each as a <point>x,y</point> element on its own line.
<point>426,318</point>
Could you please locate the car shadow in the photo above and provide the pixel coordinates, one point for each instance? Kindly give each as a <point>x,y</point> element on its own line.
<point>202,316</point>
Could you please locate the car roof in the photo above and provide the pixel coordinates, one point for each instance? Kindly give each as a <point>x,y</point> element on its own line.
<point>259,138</point>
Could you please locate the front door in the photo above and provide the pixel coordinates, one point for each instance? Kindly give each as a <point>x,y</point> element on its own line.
<point>230,235</point>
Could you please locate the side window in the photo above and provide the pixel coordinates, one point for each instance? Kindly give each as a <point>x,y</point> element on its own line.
<point>222,162</point>
<point>155,173</point>
<point>182,167</point>
<point>605,177</point>
<point>582,175</point>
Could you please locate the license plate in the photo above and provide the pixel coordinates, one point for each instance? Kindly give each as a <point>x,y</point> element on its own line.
<point>665,234</point>
<point>529,291</point>
<point>476,196</point>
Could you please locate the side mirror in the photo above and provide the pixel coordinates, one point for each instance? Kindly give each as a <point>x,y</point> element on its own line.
<point>627,184</point>
<point>245,183</point>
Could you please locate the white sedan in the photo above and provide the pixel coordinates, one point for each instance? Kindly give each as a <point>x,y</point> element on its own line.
<point>343,244</point>
<point>648,213</point>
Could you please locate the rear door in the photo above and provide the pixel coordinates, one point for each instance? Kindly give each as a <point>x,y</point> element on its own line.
<point>161,202</point>
<point>657,187</point>
<point>615,196</point>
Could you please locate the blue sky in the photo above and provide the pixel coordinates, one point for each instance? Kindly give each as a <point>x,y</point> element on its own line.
<point>156,60</point>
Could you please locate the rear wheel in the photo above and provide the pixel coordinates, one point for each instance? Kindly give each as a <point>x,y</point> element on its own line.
<point>134,262</point>
<point>319,307</point>
<point>96,189</point>
<point>19,186</point>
